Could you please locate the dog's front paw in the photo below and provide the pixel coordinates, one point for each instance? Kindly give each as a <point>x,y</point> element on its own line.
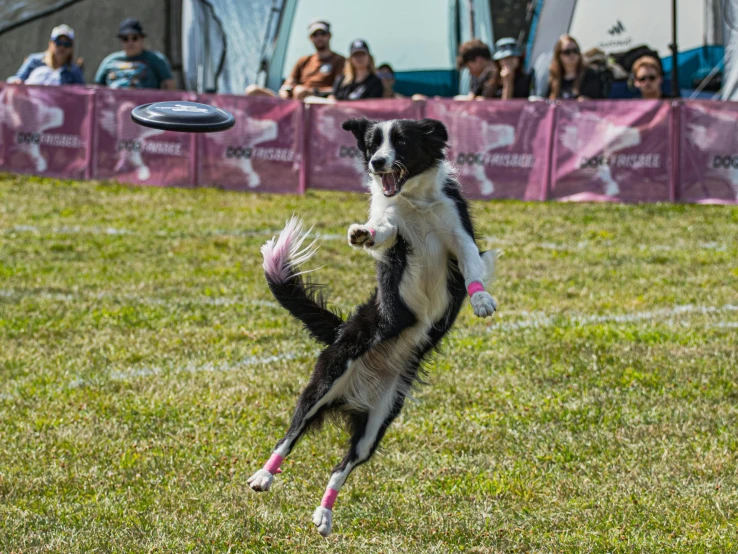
<point>261,480</point>
<point>323,520</point>
<point>483,303</point>
<point>360,235</point>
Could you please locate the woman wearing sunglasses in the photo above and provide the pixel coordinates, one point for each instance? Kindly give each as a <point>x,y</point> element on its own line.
<point>55,66</point>
<point>568,77</point>
<point>648,78</point>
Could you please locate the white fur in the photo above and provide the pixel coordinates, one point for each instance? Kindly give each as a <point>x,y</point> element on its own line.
<point>261,480</point>
<point>429,221</point>
<point>385,150</point>
<point>323,520</point>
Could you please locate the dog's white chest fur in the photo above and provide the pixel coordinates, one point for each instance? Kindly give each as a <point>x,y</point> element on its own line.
<point>422,220</point>
<point>424,283</point>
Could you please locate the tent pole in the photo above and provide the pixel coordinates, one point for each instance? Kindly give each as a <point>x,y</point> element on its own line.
<point>470,13</point>
<point>675,93</point>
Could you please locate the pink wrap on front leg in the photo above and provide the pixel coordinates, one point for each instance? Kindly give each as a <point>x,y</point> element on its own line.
<point>272,466</point>
<point>474,286</point>
<point>329,498</point>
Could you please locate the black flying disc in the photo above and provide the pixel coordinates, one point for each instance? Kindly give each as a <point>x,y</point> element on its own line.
<point>188,117</point>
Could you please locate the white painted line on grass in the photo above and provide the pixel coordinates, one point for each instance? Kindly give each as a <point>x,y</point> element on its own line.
<point>538,320</point>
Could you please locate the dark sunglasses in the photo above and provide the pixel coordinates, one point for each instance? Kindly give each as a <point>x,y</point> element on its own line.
<point>130,38</point>
<point>63,43</point>
<point>319,34</point>
<point>385,75</point>
<point>649,78</point>
<point>570,52</point>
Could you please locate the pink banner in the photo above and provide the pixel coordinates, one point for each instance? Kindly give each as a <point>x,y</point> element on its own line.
<point>708,161</point>
<point>612,151</point>
<point>45,130</point>
<point>334,162</point>
<point>500,148</point>
<point>130,153</point>
<point>260,153</point>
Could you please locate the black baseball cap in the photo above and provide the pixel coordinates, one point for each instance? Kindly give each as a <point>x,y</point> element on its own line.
<point>130,26</point>
<point>359,46</point>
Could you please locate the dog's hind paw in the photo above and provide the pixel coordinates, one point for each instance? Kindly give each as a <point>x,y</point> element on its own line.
<point>261,480</point>
<point>360,235</point>
<point>483,303</point>
<point>323,520</point>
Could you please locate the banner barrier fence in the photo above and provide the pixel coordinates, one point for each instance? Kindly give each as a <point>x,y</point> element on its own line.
<point>619,151</point>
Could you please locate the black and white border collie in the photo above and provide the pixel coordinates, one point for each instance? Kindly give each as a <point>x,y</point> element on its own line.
<point>421,236</point>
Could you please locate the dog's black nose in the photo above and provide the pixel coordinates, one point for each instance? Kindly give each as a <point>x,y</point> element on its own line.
<point>378,164</point>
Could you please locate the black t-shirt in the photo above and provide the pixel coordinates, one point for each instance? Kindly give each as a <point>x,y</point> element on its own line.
<point>521,85</point>
<point>371,87</point>
<point>591,86</point>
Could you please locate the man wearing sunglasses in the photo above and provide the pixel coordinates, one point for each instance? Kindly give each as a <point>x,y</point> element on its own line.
<point>134,66</point>
<point>312,75</point>
<point>53,67</point>
<point>647,77</point>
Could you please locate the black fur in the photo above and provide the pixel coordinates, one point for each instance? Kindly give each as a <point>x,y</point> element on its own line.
<point>306,304</point>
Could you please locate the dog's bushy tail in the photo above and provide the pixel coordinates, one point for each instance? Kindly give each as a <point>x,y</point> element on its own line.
<point>282,255</point>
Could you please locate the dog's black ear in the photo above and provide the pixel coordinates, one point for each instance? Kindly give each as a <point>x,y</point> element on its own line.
<point>434,128</point>
<point>357,126</point>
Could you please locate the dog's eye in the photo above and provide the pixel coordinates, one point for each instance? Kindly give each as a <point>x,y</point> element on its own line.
<point>401,141</point>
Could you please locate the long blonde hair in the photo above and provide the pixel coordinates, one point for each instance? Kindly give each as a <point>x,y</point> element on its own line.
<point>49,59</point>
<point>348,70</point>
<point>556,70</point>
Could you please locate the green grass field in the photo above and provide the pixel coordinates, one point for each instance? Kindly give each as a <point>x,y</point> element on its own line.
<point>145,373</point>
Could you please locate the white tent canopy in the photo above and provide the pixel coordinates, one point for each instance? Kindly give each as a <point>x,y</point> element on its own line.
<point>418,38</point>
<point>229,44</point>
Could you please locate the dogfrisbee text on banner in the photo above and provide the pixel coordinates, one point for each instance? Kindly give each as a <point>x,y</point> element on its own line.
<point>612,151</point>
<point>45,130</point>
<point>261,153</point>
<point>708,161</point>
<point>130,153</point>
<point>500,148</point>
<point>334,162</point>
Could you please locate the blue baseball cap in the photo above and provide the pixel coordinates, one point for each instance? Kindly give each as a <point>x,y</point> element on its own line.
<point>506,47</point>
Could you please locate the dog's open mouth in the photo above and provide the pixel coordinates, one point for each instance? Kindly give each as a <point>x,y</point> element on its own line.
<point>392,181</point>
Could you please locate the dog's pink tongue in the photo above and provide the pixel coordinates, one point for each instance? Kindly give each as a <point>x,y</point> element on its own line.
<point>388,184</point>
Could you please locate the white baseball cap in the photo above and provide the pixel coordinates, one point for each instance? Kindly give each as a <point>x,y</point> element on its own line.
<point>62,30</point>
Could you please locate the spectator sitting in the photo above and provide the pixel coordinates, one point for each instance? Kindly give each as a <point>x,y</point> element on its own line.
<point>485,72</point>
<point>568,77</point>
<point>55,66</point>
<point>359,79</point>
<point>387,75</point>
<point>312,75</point>
<point>134,66</point>
<point>516,82</point>
<point>648,77</point>
<point>606,68</point>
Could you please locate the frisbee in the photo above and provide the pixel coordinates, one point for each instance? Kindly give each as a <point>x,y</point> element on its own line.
<point>182,116</point>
